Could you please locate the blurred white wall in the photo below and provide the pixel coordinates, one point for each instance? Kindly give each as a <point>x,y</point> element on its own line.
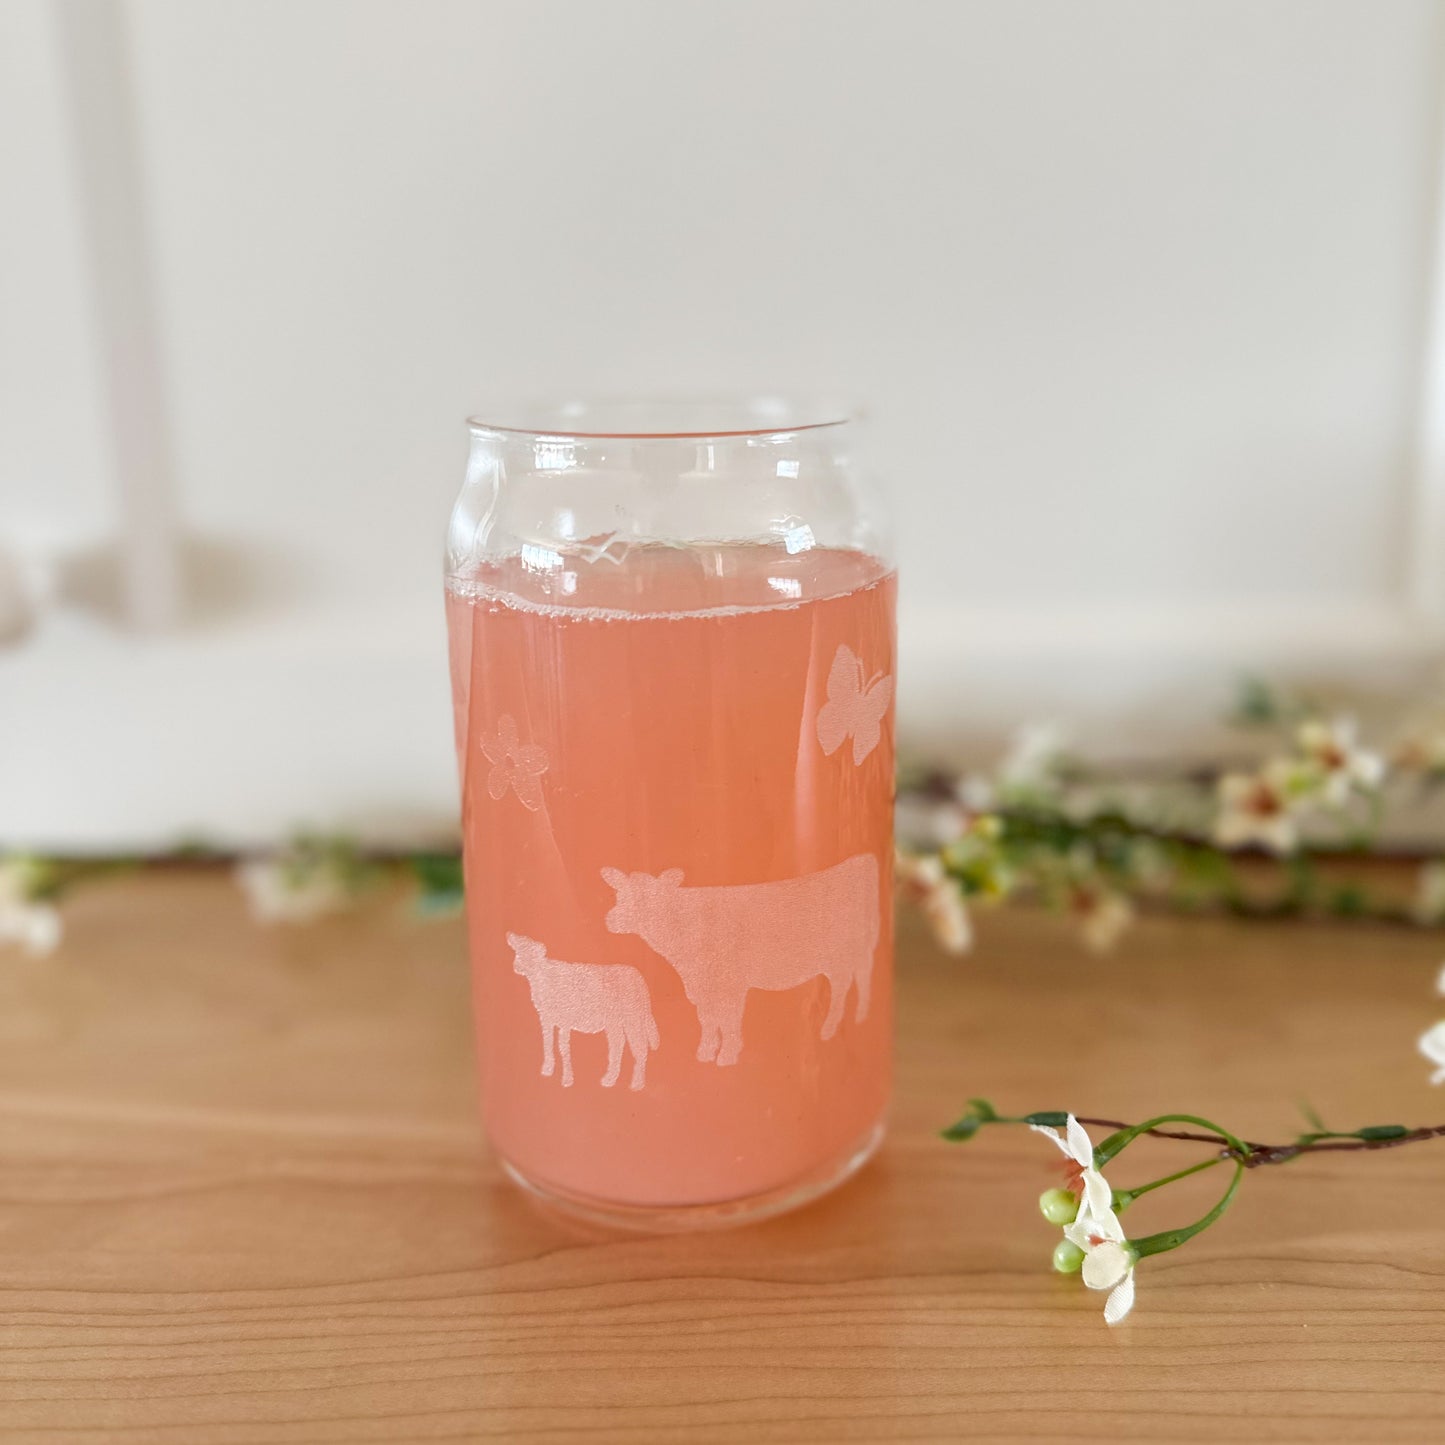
<point>1138,294</point>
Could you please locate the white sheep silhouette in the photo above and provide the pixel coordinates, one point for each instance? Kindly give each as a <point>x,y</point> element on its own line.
<point>587,998</point>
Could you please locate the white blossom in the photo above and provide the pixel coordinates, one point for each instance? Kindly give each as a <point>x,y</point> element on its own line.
<point>1257,808</point>
<point>1342,766</point>
<point>1033,759</point>
<point>1104,916</point>
<point>280,892</point>
<point>925,881</point>
<point>930,822</point>
<point>27,921</point>
<point>976,793</point>
<point>1108,1260</point>
<point>1432,1045</point>
<point>1429,903</point>
<point>1095,1195</point>
<point>1422,751</point>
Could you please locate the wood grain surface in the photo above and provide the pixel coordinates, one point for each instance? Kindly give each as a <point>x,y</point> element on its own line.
<point>243,1198</point>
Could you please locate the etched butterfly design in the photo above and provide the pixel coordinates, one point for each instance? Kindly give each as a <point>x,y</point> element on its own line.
<point>854,709</point>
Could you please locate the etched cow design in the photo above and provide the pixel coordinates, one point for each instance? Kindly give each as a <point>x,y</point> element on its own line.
<point>774,936</point>
<point>587,998</point>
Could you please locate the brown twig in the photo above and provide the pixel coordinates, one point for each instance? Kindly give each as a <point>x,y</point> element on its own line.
<point>1184,1134</point>
<point>1279,1153</point>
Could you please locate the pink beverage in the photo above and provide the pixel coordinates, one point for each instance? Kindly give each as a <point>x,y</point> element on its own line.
<point>677,815</point>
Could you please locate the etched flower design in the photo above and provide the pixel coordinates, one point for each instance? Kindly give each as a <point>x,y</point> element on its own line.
<point>515,764</point>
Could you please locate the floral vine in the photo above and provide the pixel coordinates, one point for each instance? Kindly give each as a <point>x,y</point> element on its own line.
<point>1095,1244</point>
<point>1099,846</point>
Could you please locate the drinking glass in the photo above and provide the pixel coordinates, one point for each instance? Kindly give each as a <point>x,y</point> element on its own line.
<point>673,652</point>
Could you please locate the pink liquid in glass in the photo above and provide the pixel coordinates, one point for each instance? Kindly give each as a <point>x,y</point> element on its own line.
<point>677,815</point>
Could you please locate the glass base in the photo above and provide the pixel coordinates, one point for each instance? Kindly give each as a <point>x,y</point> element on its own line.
<point>664,1219</point>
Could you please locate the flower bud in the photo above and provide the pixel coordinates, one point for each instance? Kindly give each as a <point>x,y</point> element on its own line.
<point>1068,1257</point>
<point>1058,1206</point>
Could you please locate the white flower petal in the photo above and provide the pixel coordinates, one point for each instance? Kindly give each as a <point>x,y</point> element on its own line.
<point>1369,769</point>
<point>1033,756</point>
<point>1106,1264</point>
<point>948,918</point>
<point>924,870</point>
<point>1106,922</point>
<point>1080,1147</point>
<point>1121,1301</point>
<point>1432,1043</point>
<point>1234,788</point>
<point>1052,1133</point>
<point>1098,1196</point>
<point>1107,1226</point>
<point>1440,982</point>
<point>42,929</point>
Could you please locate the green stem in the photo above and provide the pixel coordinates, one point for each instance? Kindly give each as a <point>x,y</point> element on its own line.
<point>1173,1238</point>
<point>1117,1142</point>
<point>1123,1198</point>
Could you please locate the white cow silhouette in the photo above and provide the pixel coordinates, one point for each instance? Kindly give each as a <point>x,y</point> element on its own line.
<point>724,941</point>
<point>587,998</point>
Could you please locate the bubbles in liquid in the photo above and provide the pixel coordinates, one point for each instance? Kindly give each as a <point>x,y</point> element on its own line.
<point>604,581</point>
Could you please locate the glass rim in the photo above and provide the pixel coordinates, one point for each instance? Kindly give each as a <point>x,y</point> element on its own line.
<point>665,418</point>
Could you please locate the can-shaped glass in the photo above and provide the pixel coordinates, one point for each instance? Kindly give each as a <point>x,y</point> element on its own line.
<point>673,664</point>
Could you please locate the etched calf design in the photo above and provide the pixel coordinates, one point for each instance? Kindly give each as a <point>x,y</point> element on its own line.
<point>724,941</point>
<point>587,998</point>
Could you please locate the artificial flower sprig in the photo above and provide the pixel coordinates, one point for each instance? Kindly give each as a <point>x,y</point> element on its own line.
<point>1095,846</point>
<point>31,888</point>
<point>307,878</point>
<point>1087,1207</point>
<point>1041,825</point>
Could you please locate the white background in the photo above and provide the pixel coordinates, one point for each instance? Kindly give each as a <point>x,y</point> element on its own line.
<point>1137,292</point>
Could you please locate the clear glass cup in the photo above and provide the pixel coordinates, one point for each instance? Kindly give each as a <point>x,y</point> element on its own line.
<point>672,649</point>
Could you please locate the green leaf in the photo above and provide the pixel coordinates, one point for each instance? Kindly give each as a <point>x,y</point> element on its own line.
<point>965,1128</point>
<point>437,872</point>
<point>1382,1131</point>
<point>439,883</point>
<point>1350,901</point>
<point>1256,705</point>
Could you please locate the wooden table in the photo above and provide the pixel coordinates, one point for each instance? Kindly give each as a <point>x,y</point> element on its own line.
<point>244,1199</point>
